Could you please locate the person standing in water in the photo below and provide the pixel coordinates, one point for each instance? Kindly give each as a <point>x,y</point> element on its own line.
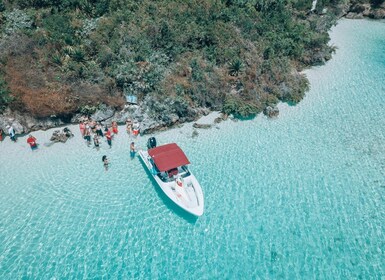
<point>114,127</point>
<point>32,142</point>
<point>82,128</point>
<point>105,162</point>
<point>87,135</point>
<point>132,150</point>
<point>129,126</point>
<point>1,134</point>
<point>99,130</point>
<point>96,141</point>
<point>11,133</point>
<point>109,137</point>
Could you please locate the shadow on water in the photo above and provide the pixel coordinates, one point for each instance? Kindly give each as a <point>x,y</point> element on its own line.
<point>248,118</point>
<point>167,201</point>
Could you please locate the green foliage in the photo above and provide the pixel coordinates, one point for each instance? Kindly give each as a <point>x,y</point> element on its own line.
<point>377,3</point>
<point>2,6</point>
<point>16,20</point>
<point>140,77</point>
<point>239,107</point>
<point>59,29</point>
<point>135,47</point>
<point>5,97</point>
<point>236,67</point>
<point>88,109</point>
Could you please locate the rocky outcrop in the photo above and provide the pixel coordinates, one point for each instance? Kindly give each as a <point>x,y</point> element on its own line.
<point>61,136</point>
<point>360,10</point>
<point>271,112</point>
<point>204,126</point>
<point>221,118</point>
<point>24,123</point>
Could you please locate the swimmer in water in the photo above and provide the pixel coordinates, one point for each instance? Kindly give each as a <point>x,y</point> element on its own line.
<point>132,150</point>
<point>105,162</point>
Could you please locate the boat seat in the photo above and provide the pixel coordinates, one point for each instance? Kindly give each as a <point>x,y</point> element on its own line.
<point>173,172</point>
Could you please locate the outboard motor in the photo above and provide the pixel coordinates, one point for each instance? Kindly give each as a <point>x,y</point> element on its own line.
<point>151,143</point>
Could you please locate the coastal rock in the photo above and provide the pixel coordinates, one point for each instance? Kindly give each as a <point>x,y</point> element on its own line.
<point>218,120</point>
<point>271,112</point>
<point>132,112</point>
<point>77,118</point>
<point>205,111</point>
<point>25,123</point>
<point>377,13</point>
<point>360,9</point>
<point>103,114</point>
<point>204,126</point>
<point>61,136</point>
<point>221,118</point>
<point>352,15</point>
<point>18,127</point>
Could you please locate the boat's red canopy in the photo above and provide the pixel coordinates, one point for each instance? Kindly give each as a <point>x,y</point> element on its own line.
<point>168,156</point>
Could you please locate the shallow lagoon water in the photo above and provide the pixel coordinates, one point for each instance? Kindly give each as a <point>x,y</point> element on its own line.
<point>301,196</point>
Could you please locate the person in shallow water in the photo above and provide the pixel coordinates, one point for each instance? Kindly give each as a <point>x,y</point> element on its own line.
<point>129,126</point>
<point>32,142</point>
<point>87,134</point>
<point>108,136</point>
<point>96,141</point>
<point>99,130</point>
<point>11,133</point>
<point>115,127</point>
<point>82,128</point>
<point>132,150</point>
<point>105,162</point>
<point>1,134</point>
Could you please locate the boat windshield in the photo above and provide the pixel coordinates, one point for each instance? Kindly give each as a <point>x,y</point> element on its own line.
<point>169,176</point>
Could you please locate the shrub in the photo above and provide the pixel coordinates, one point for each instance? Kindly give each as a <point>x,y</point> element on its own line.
<point>88,109</point>
<point>16,20</point>
<point>5,97</point>
<point>236,67</point>
<point>241,108</point>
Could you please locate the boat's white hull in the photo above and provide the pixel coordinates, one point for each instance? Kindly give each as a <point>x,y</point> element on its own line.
<point>188,195</point>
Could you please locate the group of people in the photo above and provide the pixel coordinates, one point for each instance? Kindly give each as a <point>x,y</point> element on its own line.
<point>31,140</point>
<point>90,130</point>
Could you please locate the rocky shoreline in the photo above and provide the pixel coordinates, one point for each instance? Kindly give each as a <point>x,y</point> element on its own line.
<point>365,10</point>
<point>24,122</point>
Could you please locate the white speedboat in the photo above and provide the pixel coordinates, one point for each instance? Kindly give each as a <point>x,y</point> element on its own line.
<point>168,166</point>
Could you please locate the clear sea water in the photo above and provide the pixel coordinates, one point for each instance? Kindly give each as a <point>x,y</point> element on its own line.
<point>298,197</point>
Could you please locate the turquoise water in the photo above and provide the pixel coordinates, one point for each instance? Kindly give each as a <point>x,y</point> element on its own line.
<point>301,196</point>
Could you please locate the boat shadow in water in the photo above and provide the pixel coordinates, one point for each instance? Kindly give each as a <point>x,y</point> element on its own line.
<point>167,201</point>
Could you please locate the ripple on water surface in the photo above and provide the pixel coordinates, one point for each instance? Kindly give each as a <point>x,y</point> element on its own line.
<point>301,196</point>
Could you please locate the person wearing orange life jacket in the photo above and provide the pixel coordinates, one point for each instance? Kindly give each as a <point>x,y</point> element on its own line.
<point>32,142</point>
<point>115,127</point>
<point>82,127</point>
<point>135,128</point>
<point>108,136</point>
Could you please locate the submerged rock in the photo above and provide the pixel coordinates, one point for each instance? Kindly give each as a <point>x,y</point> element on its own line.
<point>194,134</point>
<point>61,136</point>
<point>271,112</point>
<point>204,126</point>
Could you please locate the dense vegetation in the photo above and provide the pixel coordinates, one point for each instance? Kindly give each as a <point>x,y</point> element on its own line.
<point>239,56</point>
